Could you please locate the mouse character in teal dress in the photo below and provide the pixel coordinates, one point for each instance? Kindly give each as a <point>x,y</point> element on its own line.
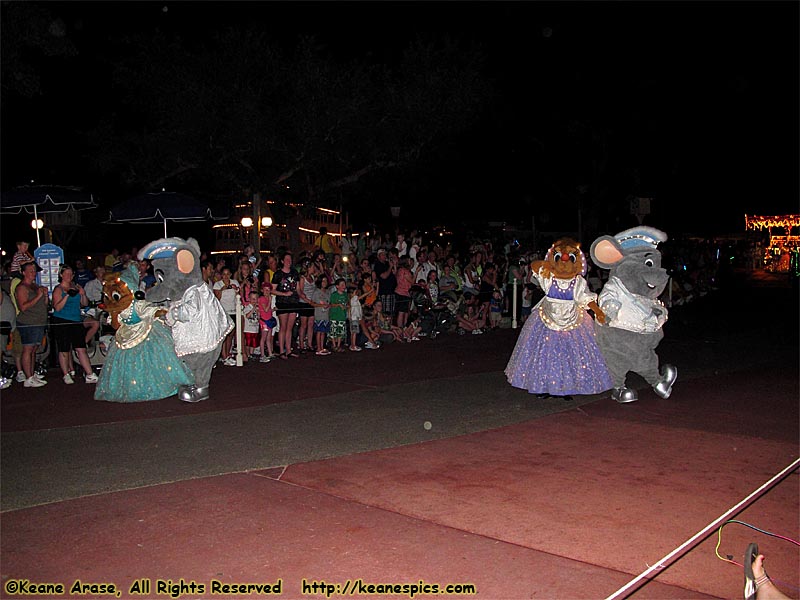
<point>141,364</point>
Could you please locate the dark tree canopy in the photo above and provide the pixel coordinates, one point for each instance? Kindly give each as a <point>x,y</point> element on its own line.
<point>243,112</point>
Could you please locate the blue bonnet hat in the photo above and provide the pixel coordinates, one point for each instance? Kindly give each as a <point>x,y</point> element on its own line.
<point>642,236</point>
<point>130,276</point>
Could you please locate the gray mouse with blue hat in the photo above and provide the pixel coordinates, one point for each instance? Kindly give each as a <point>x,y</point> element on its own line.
<point>634,316</point>
<point>199,323</point>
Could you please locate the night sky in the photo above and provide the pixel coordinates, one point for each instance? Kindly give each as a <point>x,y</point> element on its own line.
<point>699,101</point>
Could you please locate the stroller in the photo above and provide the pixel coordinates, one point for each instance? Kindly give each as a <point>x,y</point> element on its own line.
<point>433,318</point>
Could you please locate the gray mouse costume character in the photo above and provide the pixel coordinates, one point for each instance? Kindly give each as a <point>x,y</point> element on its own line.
<point>199,323</point>
<point>634,315</point>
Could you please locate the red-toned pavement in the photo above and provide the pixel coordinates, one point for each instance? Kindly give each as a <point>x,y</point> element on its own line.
<point>570,502</point>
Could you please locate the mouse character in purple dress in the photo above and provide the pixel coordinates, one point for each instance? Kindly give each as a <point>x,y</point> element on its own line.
<point>556,353</point>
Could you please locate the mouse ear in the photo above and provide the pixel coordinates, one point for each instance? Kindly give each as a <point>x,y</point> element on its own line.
<point>185,261</point>
<point>606,252</point>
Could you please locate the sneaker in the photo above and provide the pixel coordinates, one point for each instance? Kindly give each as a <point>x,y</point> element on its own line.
<point>265,359</point>
<point>369,346</point>
<point>415,339</point>
<point>229,362</point>
<point>355,348</point>
<point>91,378</point>
<point>68,379</point>
<point>21,376</point>
<point>422,334</point>
<point>32,381</point>
<point>477,332</point>
<point>5,383</point>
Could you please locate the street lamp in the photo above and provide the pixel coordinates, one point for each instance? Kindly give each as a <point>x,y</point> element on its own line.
<point>37,224</point>
<point>266,221</point>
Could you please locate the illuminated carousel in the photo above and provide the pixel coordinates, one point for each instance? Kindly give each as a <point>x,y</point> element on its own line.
<point>781,255</point>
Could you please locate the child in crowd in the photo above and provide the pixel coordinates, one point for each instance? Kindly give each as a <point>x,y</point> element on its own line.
<point>412,330</point>
<point>383,324</point>
<point>369,330</point>
<point>495,309</point>
<point>338,314</point>
<point>21,256</point>
<point>321,299</point>
<point>367,287</point>
<point>251,325</point>
<point>473,318</point>
<point>433,286</point>
<point>355,315</point>
<point>267,322</point>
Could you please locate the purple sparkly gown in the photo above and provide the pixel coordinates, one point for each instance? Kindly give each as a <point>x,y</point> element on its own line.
<point>556,352</point>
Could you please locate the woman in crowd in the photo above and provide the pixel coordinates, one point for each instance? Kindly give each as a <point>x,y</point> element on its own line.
<point>305,292</point>
<point>402,293</point>
<point>287,303</point>
<point>68,330</point>
<point>31,301</point>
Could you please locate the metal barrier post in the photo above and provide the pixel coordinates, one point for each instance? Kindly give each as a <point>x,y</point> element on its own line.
<point>239,336</point>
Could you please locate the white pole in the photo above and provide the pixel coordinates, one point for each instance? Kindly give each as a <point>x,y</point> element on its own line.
<point>36,222</point>
<point>703,533</point>
<point>514,304</point>
<point>239,361</point>
<point>165,227</point>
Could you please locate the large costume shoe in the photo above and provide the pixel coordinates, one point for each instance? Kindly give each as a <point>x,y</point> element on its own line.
<point>185,393</point>
<point>200,393</point>
<point>668,376</point>
<point>624,395</point>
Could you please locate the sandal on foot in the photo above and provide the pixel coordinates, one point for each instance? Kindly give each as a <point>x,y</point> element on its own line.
<point>749,579</point>
<point>283,356</point>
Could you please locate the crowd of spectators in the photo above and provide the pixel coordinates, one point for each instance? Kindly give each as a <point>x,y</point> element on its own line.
<point>364,291</point>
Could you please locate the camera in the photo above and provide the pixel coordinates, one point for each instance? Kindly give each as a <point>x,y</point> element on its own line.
<point>72,292</point>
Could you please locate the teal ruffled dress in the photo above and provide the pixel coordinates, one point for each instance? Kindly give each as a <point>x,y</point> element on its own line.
<point>141,364</point>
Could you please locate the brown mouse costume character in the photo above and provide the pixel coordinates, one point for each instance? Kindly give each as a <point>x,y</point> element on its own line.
<point>117,296</point>
<point>556,353</point>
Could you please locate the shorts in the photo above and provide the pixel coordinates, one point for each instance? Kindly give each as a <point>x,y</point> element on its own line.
<point>322,326</point>
<point>67,335</point>
<point>337,330</point>
<point>251,339</point>
<point>402,304</point>
<point>293,306</point>
<point>388,303</point>
<point>495,317</point>
<point>354,325</point>
<point>268,325</point>
<point>31,335</point>
<point>305,310</point>
<point>526,311</point>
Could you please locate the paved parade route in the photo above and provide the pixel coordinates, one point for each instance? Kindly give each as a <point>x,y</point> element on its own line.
<point>414,464</point>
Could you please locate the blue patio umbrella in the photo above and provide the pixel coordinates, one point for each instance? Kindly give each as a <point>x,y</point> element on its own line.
<point>160,207</point>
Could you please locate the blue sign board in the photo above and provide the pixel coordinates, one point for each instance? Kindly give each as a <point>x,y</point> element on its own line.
<point>50,258</point>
